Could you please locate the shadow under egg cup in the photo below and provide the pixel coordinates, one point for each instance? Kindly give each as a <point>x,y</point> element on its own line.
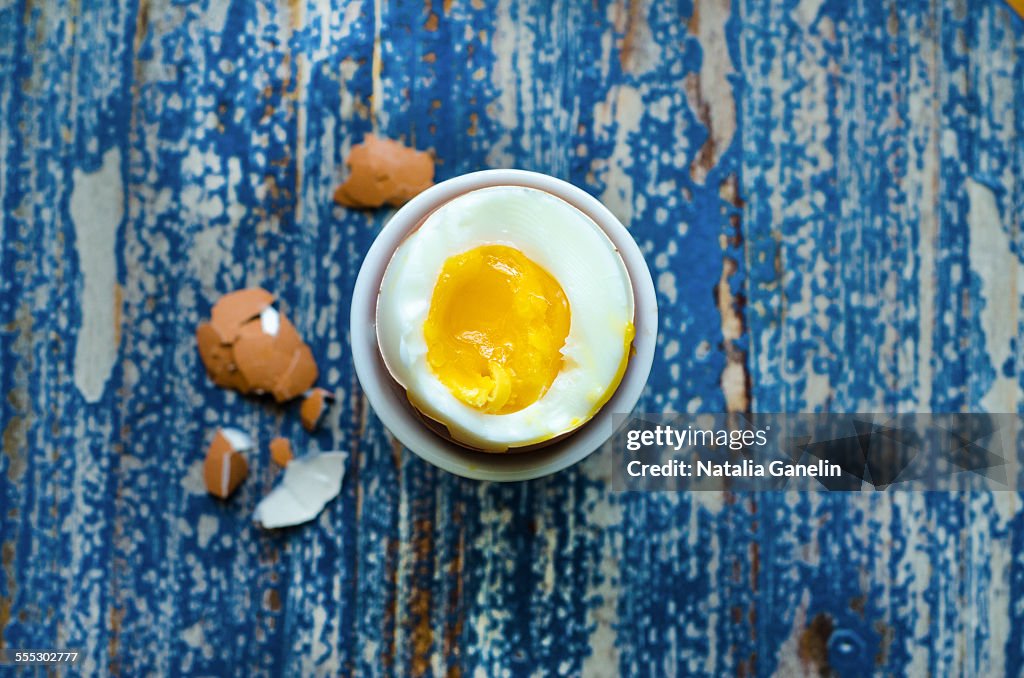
<point>387,397</point>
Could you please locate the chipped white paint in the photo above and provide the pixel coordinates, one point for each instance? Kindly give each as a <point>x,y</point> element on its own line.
<point>378,116</point>
<point>710,94</point>
<point>788,656</point>
<point>488,614</point>
<point>208,526</point>
<point>193,635</point>
<point>319,647</point>
<point>97,207</point>
<point>807,11</point>
<point>215,17</point>
<point>623,108</point>
<point>922,191</point>
<point>989,561</point>
<point>338,24</point>
<point>511,76</point>
<point>996,266</point>
<point>212,245</point>
<point>605,513</point>
<point>798,247</point>
<point>997,599</point>
<point>734,377</point>
<point>640,52</point>
<point>667,286</point>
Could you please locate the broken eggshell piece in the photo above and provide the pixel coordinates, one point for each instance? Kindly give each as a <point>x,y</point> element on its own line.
<point>225,468</point>
<point>281,451</point>
<point>308,483</point>
<point>314,406</point>
<point>235,309</point>
<point>219,360</point>
<point>384,171</point>
<point>250,346</point>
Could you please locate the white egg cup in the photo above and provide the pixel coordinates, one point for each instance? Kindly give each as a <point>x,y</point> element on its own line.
<point>388,399</point>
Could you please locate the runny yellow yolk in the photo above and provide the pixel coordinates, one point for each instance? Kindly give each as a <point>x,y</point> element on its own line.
<point>495,329</point>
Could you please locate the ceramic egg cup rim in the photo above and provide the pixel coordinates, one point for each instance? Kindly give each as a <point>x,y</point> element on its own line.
<point>394,410</point>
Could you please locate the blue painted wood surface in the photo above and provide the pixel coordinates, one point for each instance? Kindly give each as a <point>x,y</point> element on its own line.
<point>830,199</point>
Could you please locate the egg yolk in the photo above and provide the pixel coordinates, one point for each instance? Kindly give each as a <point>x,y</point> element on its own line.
<point>495,329</point>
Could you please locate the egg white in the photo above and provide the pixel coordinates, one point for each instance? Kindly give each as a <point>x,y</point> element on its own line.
<point>572,249</point>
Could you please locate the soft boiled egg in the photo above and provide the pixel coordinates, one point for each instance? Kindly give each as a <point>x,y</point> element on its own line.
<point>507,317</point>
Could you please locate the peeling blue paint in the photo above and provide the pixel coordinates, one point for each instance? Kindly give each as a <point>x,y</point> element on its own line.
<point>845,253</point>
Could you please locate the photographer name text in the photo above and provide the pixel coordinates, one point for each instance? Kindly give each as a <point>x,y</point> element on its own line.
<point>745,469</point>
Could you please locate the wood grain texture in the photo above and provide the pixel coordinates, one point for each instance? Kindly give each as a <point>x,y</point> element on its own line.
<point>829,195</point>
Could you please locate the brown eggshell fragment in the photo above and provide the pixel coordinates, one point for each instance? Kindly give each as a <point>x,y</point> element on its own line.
<point>313,407</point>
<point>384,171</point>
<point>262,358</point>
<point>218,359</point>
<point>225,468</point>
<point>261,353</point>
<point>300,375</point>
<point>236,308</point>
<point>279,364</point>
<point>281,451</point>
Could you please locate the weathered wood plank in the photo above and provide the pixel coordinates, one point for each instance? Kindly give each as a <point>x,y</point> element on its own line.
<point>880,311</point>
<point>829,198</point>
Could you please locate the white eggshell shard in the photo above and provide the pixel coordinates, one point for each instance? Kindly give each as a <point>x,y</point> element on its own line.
<point>573,250</point>
<point>309,482</point>
<point>270,321</point>
<point>239,440</point>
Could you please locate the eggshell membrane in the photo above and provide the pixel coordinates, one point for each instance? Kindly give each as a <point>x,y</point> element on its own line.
<point>589,250</point>
<point>224,468</point>
<point>384,171</point>
<point>313,407</point>
<point>281,451</point>
<point>308,483</point>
